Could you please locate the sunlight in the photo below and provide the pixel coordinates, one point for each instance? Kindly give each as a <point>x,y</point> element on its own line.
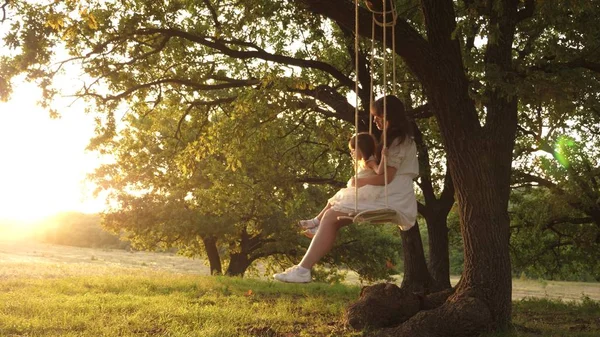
<point>44,160</point>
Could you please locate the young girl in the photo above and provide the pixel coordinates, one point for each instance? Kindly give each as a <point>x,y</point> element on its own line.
<point>367,166</point>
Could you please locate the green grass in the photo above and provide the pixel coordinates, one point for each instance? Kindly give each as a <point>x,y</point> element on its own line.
<point>49,290</point>
<point>554,318</point>
<point>163,304</point>
<point>170,305</point>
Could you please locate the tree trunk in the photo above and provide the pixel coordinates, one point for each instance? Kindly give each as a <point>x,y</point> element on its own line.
<point>485,229</point>
<point>238,264</point>
<point>416,276</point>
<point>435,210</point>
<point>214,260</point>
<point>439,259</point>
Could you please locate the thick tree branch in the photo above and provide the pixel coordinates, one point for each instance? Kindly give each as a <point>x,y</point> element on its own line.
<point>222,46</point>
<point>175,81</point>
<point>527,177</point>
<point>421,112</point>
<point>570,220</point>
<point>501,116</point>
<point>410,45</point>
<point>332,98</point>
<point>440,22</point>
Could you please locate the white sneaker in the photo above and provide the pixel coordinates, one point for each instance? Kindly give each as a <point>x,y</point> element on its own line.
<point>294,275</point>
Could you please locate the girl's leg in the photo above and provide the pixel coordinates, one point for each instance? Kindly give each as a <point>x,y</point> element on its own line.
<point>323,241</point>
<point>325,209</point>
<point>313,223</point>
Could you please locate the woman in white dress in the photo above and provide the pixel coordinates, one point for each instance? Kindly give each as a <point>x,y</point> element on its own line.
<point>402,168</point>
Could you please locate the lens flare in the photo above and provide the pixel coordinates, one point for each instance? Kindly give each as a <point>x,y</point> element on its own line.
<point>561,149</point>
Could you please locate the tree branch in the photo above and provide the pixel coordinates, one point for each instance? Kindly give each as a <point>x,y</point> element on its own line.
<point>421,112</point>
<point>440,22</point>
<point>332,98</point>
<point>410,45</point>
<point>177,81</point>
<point>214,14</point>
<point>577,63</point>
<point>6,3</point>
<point>526,177</point>
<point>221,46</point>
<point>570,220</point>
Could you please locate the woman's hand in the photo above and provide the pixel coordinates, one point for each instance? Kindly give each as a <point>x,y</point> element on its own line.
<point>355,182</point>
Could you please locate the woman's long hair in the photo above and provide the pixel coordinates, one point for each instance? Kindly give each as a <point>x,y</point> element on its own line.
<point>399,125</point>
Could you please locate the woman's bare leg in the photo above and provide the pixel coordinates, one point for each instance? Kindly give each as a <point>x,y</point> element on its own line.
<point>323,241</point>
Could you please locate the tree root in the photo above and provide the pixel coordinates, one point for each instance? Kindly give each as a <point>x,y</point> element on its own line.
<point>459,317</point>
<point>385,305</point>
<point>382,305</point>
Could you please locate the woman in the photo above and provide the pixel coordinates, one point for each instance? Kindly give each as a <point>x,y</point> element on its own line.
<point>402,168</point>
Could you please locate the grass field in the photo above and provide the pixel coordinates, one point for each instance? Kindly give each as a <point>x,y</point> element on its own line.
<point>48,290</point>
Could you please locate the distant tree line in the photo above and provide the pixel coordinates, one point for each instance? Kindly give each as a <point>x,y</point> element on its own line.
<point>80,230</point>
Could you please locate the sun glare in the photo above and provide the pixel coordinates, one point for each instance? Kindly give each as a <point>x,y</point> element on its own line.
<point>44,163</point>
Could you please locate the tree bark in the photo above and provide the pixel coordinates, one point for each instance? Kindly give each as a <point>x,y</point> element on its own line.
<point>238,264</point>
<point>435,210</point>
<point>416,276</point>
<point>214,260</point>
<point>439,257</point>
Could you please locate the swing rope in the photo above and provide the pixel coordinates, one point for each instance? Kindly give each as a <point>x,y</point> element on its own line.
<point>384,158</point>
<point>387,214</point>
<point>356,104</point>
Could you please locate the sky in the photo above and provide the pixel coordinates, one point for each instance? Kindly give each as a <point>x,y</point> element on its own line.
<point>43,162</point>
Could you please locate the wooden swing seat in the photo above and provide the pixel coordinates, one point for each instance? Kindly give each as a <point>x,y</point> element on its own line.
<point>383,215</point>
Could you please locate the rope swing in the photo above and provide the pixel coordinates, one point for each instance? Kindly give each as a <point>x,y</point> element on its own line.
<point>386,11</point>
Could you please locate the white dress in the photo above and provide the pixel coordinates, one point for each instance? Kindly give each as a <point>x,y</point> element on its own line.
<point>400,191</point>
<point>365,193</point>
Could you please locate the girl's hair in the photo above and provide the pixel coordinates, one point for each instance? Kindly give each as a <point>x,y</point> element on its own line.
<point>367,145</point>
<point>399,125</point>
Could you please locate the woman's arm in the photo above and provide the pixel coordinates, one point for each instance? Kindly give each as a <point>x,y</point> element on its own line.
<point>380,169</point>
<point>378,180</point>
<point>372,165</point>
